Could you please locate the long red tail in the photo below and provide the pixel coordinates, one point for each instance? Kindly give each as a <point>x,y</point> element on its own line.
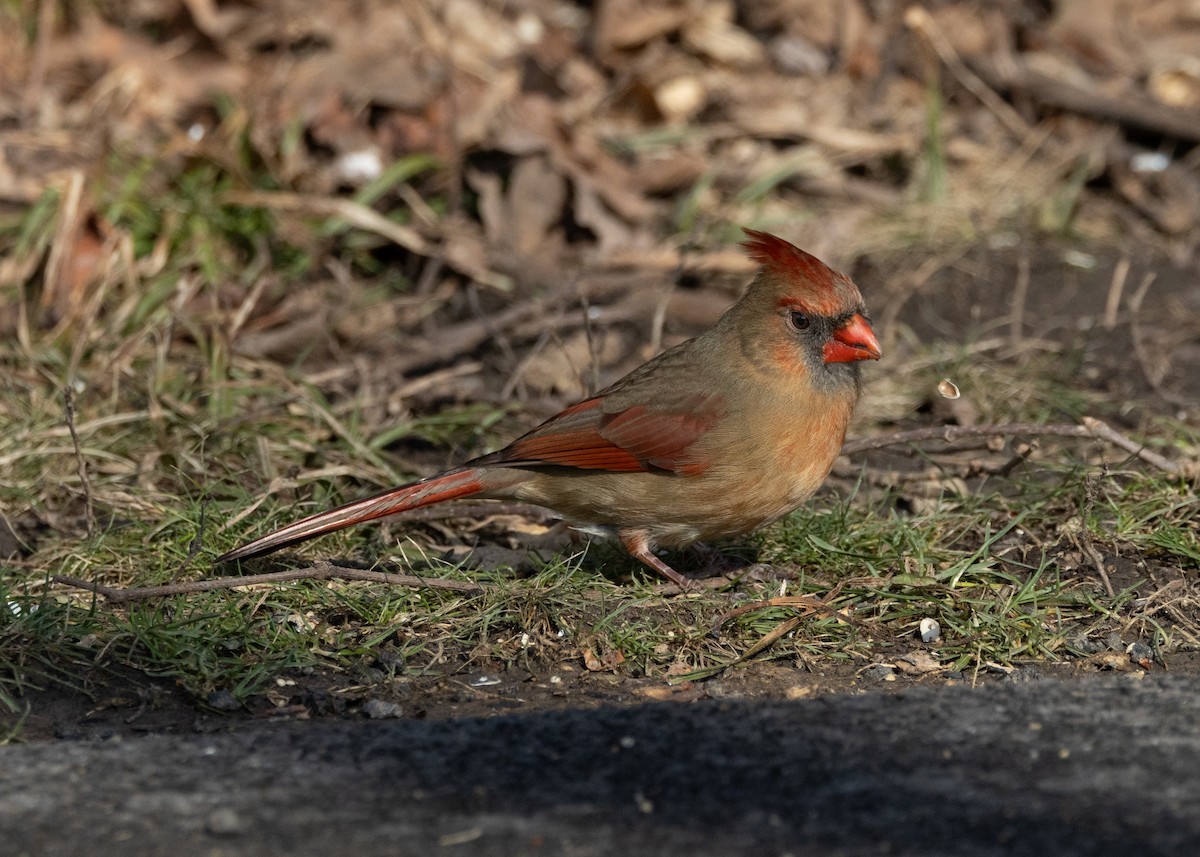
<point>463,482</point>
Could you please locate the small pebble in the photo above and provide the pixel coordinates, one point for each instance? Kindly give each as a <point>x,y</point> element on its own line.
<point>1140,654</point>
<point>1024,675</point>
<point>880,672</point>
<point>378,709</point>
<point>1079,259</point>
<point>1149,162</point>
<point>360,167</point>
<point>680,98</point>
<point>721,690</point>
<point>797,55</point>
<point>224,822</point>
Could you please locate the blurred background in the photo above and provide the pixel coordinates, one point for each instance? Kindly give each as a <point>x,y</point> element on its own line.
<point>384,187</point>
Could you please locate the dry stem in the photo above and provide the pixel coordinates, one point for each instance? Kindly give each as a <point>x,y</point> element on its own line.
<point>1091,427</point>
<point>320,571</point>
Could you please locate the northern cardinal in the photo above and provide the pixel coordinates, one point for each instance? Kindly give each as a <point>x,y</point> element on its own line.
<point>715,437</point>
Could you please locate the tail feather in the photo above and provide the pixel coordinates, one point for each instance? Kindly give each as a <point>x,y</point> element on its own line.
<point>451,485</point>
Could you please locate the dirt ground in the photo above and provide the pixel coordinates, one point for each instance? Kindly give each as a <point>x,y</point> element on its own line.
<point>1093,767</point>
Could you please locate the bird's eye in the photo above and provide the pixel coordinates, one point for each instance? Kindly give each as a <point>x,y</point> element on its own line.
<point>798,320</point>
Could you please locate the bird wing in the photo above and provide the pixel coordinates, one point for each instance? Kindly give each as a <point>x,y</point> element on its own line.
<point>589,436</point>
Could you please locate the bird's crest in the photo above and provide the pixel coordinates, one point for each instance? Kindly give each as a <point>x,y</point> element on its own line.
<point>823,288</point>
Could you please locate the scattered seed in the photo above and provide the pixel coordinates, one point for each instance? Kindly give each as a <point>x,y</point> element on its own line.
<point>931,631</point>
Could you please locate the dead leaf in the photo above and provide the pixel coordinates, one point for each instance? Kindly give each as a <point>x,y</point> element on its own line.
<point>918,663</point>
<point>608,661</point>
<point>712,33</point>
<point>624,24</point>
<point>1117,661</point>
<point>534,204</point>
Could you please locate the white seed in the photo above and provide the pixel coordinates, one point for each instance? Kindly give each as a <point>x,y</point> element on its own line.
<point>948,389</point>
<point>931,631</point>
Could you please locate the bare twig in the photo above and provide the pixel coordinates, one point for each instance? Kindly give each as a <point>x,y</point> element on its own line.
<point>197,542</point>
<point>1091,427</point>
<point>80,464</point>
<point>41,51</point>
<point>935,477</point>
<point>919,20</point>
<point>320,571</point>
<point>1021,453</point>
<point>1085,538</point>
<point>659,319</point>
<point>767,640</point>
<point>1113,302</point>
<point>592,382</point>
<point>1089,100</point>
<point>1141,354</point>
<point>1020,294</point>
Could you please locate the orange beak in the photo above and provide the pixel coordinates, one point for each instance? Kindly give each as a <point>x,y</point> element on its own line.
<point>853,341</point>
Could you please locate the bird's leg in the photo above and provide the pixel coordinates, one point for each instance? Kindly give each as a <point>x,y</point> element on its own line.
<point>637,543</point>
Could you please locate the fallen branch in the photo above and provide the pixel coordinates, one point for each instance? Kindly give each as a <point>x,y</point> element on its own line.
<point>934,478</point>
<point>320,571</point>
<point>1091,428</point>
<point>1134,110</point>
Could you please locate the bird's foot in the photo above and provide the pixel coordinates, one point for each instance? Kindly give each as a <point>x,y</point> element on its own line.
<point>637,542</point>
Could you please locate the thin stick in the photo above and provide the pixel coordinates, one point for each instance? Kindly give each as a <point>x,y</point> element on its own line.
<point>1112,303</point>
<point>1020,293</point>
<point>41,50</point>
<point>922,22</point>
<point>1085,538</point>
<point>1091,427</point>
<point>197,542</point>
<point>1141,354</point>
<point>1087,99</point>
<point>320,571</point>
<point>80,464</point>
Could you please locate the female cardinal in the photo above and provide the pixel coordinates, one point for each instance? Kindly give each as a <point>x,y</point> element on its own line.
<point>715,437</point>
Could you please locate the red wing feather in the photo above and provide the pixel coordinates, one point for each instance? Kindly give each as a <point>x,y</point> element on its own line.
<point>585,449</point>
<point>659,440</point>
<point>636,438</point>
